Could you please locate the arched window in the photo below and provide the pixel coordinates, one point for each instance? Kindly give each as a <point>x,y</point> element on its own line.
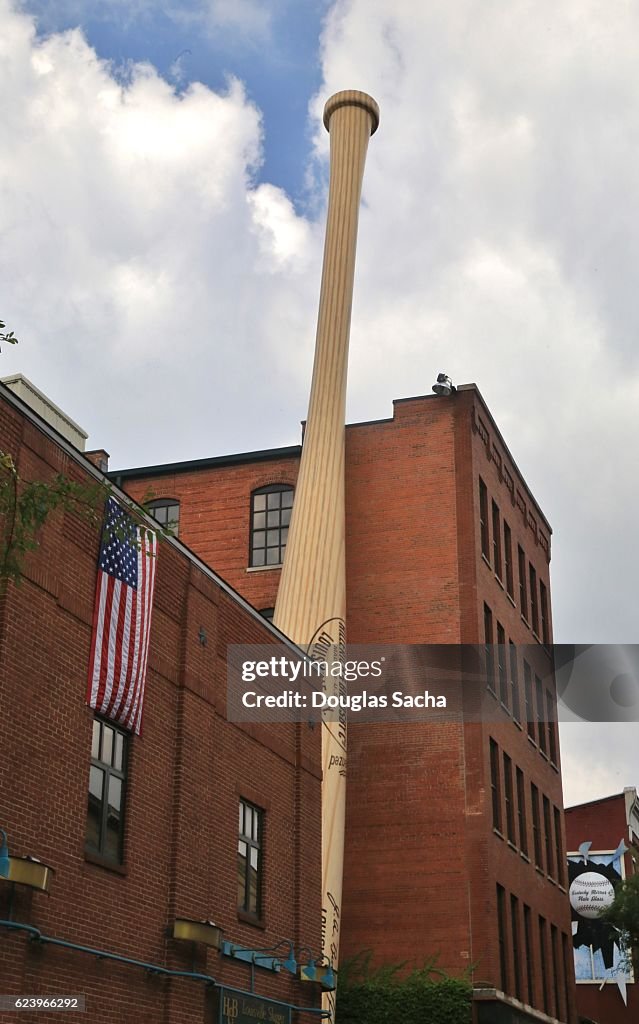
<point>167,513</point>
<point>270,517</point>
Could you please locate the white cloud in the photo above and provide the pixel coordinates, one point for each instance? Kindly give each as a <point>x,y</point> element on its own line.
<point>496,243</point>
<point>147,277</point>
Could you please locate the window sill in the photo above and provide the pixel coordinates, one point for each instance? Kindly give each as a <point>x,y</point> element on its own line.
<point>498,833</point>
<point>91,857</point>
<point>551,879</point>
<point>543,754</point>
<point>554,766</point>
<point>484,559</point>
<point>525,621</point>
<point>511,599</point>
<point>492,692</point>
<point>498,578</point>
<point>532,740</point>
<point>263,568</point>
<point>540,871</point>
<point>512,846</point>
<point>518,724</point>
<point>246,918</point>
<point>524,856</point>
<point>505,707</point>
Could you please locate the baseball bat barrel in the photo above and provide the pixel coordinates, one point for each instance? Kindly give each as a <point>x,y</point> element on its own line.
<point>311,599</point>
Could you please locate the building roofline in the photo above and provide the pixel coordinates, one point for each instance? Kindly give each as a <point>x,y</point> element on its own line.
<point>79,458</point>
<point>294,451</point>
<point>601,800</point>
<point>215,461</point>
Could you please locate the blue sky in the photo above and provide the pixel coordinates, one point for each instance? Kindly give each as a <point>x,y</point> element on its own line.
<point>273,47</point>
<point>163,223</point>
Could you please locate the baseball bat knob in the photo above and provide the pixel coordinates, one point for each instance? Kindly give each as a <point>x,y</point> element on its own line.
<point>352,98</point>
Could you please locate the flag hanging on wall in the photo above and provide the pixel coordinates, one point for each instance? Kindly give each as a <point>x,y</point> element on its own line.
<point>122,618</point>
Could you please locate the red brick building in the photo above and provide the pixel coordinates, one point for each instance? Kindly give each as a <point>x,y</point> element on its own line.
<point>142,831</point>
<point>455,842</point>
<point>604,823</point>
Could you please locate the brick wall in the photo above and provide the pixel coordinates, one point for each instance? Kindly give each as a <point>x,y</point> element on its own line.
<point>187,772</point>
<point>422,861</point>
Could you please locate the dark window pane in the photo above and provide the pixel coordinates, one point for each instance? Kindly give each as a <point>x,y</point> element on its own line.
<point>114,819</point>
<point>94,812</point>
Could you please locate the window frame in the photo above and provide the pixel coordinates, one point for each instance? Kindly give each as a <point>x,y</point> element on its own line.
<point>252,843</point>
<point>172,525</point>
<point>508,561</point>
<point>483,520</point>
<point>509,799</point>
<point>109,771</point>
<point>489,650</point>
<point>534,599</point>
<point>523,582</point>
<point>522,824</point>
<point>495,786</point>
<point>496,521</point>
<point>258,492</point>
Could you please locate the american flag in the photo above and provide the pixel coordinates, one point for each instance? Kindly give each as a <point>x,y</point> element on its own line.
<point>122,618</point>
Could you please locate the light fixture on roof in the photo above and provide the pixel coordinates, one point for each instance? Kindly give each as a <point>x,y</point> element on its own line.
<point>444,385</point>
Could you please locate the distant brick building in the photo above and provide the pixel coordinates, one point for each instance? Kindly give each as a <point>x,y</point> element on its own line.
<point>142,832</point>
<point>455,840</point>
<point>604,823</point>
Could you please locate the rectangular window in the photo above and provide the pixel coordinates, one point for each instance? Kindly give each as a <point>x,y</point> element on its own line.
<point>536,822</point>
<point>508,560</point>
<point>249,859</point>
<point>523,591</point>
<point>496,540</point>
<point>508,796</point>
<point>514,928</point>
<point>521,812</point>
<point>541,725</point>
<point>543,954</point>
<point>534,605</point>
<point>483,519</point>
<point>501,664</point>
<point>501,925</point>
<point>271,509</point>
<point>495,786</point>
<point>488,648</point>
<point>557,986</point>
<point>528,697</point>
<point>548,838</point>
<point>528,941</point>
<point>107,790</point>
<point>545,624</point>
<point>567,963</point>
<point>559,855</point>
<point>514,682</point>
<point>551,726</point>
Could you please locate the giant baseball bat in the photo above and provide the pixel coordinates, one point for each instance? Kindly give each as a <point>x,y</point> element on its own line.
<point>311,600</point>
